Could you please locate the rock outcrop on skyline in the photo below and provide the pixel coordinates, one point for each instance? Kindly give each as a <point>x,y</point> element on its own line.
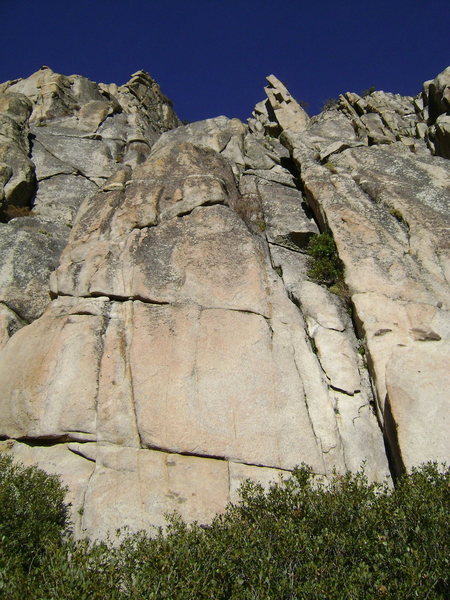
<point>163,336</point>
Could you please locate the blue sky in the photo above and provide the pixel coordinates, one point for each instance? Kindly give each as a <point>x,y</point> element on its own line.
<point>211,56</point>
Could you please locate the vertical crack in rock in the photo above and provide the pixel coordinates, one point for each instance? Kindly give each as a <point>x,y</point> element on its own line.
<point>229,481</point>
<point>129,320</point>
<point>100,346</point>
<point>308,410</point>
<point>393,450</point>
<point>81,515</point>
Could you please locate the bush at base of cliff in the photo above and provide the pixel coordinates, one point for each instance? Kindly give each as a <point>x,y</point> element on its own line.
<point>33,515</point>
<point>302,539</point>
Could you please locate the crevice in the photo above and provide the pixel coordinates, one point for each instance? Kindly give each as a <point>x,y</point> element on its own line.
<point>83,502</point>
<point>63,164</point>
<point>239,310</point>
<point>73,170</point>
<point>388,426</point>
<point>307,209</point>
<point>75,173</point>
<point>224,147</point>
<point>100,347</point>
<point>391,443</point>
<point>146,226</point>
<point>271,179</point>
<point>333,447</point>
<point>58,440</point>
<point>80,453</point>
<point>137,298</point>
<point>79,136</point>
<point>128,333</point>
<point>79,313</point>
<point>133,141</point>
<point>360,408</point>
<point>190,210</point>
<point>16,313</point>
<point>310,419</point>
<point>116,298</point>
<point>81,174</point>
<point>227,459</point>
<point>299,251</point>
<point>112,298</point>
<point>45,440</point>
<point>338,389</point>
<point>109,116</point>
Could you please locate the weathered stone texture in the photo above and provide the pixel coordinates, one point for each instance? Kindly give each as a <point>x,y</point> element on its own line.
<point>186,347</point>
<point>61,138</point>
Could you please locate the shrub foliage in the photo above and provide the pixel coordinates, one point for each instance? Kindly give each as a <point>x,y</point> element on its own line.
<point>301,539</point>
<point>33,515</point>
<point>326,266</point>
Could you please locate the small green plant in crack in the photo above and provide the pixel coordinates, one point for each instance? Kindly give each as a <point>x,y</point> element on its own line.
<point>261,225</point>
<point>279,271</point>
<point>398,216</point>
<point>326,266</point>
<point>340,289</point>
<point>313,346</point>
<point>362,351</point>
<point>330,166</point>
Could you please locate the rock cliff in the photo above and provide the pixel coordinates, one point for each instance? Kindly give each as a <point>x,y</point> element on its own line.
<point>163,334</point>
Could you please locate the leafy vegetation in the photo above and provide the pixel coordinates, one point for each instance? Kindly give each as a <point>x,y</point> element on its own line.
<point>398,217</point>
<point>326,266</point>
<point>33,516</point>
<point>301,539</point>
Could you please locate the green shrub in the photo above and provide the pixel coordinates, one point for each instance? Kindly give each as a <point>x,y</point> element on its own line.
<point>398,217</point>
<point>326,265</point>
<point>302,539</point>
<point>33,515</point>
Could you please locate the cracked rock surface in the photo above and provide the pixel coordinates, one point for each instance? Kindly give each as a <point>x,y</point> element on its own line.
<point>61,139</point>
<point>179,345</point>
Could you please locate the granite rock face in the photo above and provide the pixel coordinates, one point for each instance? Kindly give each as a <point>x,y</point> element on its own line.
<point>180,344</point>
<point>61,139</point>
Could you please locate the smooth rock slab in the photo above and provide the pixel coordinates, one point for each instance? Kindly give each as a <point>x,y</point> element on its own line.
<point>49,373</point>
<point>59,197</point>
<point>338,359</point>
<point>137,488</point>
<point>417,413</point>
<point>216,374</point>
<point>287,223</point>
<point>208,257</point>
